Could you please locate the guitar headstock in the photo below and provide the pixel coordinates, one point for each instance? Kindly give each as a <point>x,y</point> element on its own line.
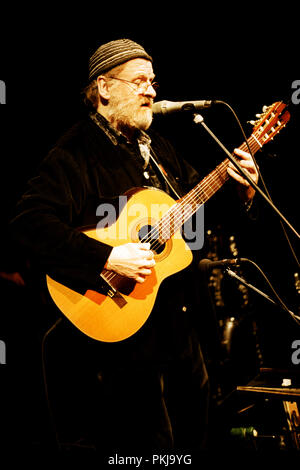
<point>270,122</point>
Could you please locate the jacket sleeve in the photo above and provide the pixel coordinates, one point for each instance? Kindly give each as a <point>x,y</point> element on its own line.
<point>46,220</point>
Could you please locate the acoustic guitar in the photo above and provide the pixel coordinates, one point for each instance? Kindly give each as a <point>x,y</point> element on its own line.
<point>126,305</point>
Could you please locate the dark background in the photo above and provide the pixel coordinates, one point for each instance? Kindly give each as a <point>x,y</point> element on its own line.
<point>44,63</point>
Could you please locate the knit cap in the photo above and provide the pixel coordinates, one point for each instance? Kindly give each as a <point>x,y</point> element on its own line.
<point>114,53</point>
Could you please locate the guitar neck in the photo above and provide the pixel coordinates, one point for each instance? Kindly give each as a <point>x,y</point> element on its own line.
<point>217,178</point>
<point>185,207</point>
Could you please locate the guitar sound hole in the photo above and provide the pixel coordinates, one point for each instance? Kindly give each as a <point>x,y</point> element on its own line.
<point>149,234</point>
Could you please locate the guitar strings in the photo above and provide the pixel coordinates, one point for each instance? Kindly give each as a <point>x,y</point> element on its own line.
<point>209,183</point>
<point>254,146</point>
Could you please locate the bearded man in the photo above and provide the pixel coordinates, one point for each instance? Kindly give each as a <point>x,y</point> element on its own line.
<point>149,391</point>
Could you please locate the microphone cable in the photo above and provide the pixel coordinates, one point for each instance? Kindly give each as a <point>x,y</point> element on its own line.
<point>261,177</point>
<point>296,318</point>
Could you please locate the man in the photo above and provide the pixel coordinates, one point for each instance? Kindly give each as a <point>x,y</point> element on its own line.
<point>151,390</point>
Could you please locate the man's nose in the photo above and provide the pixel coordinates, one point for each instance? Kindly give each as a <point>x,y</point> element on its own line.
<point>150,91</point>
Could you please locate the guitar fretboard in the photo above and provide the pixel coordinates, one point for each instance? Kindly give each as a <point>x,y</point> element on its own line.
<point>187,206</point>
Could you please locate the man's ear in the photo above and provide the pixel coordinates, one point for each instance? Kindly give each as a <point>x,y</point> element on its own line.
<point>103,89</point>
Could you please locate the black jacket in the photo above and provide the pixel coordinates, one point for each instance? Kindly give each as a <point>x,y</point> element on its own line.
<point>84,169</point>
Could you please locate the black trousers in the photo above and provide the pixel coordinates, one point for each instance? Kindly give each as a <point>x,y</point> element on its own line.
<point>152,393</point>
<point>150,408</point>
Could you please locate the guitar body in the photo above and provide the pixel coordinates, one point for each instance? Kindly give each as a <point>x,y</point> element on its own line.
<point>112,319</point>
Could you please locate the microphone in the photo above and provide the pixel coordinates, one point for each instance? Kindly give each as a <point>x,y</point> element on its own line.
<point>168,107</point>
<point>206,265</point>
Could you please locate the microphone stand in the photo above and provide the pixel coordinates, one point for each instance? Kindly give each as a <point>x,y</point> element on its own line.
<point>250,286</point>
<point>198,119</point>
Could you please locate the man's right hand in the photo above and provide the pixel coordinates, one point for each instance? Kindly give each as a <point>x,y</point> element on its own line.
<point>133,260</point>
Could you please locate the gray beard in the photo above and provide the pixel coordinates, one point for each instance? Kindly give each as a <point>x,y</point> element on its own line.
<point>125,120</point>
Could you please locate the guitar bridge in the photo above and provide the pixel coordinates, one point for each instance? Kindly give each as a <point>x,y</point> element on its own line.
<point>114,294</point>
<point>116,297</point>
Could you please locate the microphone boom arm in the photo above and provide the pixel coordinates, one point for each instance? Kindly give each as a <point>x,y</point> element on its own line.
<point>198,119</point>
<point>250,286</point>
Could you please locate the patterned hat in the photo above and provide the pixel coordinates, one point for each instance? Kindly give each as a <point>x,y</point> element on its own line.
<point>114,53</point>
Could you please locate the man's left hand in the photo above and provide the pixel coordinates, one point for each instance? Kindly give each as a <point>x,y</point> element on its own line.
<point>246,162</point>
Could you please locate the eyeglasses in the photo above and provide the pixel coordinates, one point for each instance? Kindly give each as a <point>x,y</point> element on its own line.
<point>141,86</point>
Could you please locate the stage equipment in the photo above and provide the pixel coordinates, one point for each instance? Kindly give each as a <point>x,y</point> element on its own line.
<point>285,386</point>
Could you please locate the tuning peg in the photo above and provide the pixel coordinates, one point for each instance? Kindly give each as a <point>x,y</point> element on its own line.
<point>258,116</point>
<point>265,109</point>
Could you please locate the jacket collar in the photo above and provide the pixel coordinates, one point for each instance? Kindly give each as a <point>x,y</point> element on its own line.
<point>115,136</point>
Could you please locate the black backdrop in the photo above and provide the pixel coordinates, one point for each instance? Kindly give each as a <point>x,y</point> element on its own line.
<point>44,66</point>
